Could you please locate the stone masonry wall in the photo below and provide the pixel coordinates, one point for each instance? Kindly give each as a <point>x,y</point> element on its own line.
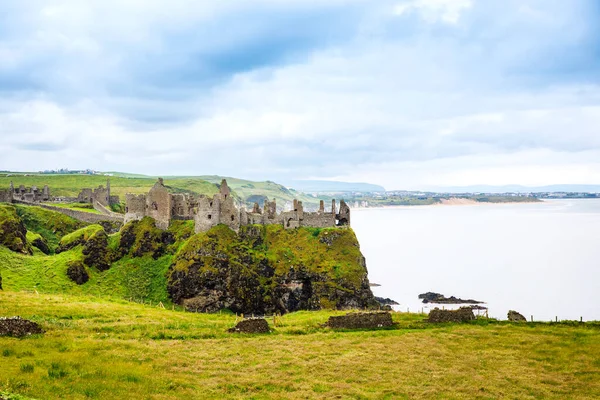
<point>78,215</point>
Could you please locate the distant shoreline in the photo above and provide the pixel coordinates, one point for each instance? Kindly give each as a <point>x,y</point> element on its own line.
<point>453,201</point>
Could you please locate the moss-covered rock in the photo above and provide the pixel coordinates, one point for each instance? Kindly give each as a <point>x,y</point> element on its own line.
<point>96,252</point>
<point>77,273</point>
<point>79,237</point>
<point>140,238</point>
<point>38,241</point>
<point>266,269</point>
<point>13,233</point>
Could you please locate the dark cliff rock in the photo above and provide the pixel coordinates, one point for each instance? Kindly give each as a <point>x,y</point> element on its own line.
<point>386,301</point>
<point>13,233</point>
<point>268,269</point>
<point>437,298</point>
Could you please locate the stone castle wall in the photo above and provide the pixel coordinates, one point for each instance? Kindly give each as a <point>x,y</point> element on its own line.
<point>78,215</point>
<point>222,209</point>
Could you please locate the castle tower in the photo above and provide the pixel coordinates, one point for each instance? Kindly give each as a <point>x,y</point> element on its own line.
<point>224,190</point>
<point>158,204</point>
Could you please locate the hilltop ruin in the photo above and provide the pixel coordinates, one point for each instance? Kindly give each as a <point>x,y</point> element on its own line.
<point>207,212</point>
<point>164,207</point>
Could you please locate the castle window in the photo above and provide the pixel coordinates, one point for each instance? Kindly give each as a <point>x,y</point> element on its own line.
<point>232,218</point>
<point>209,216</point>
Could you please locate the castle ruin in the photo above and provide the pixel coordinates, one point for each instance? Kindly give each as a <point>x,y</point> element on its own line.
<point>31,195</point>
<point>207,212</point>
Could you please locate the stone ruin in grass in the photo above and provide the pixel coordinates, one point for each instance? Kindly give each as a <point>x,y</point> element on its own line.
<point>361,321</point>
<point>514,316</point>
<point>463,314</point>
<point>18,327</point>
<point>251,325</point>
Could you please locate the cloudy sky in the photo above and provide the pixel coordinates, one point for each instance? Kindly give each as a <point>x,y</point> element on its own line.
<point>408,94</point>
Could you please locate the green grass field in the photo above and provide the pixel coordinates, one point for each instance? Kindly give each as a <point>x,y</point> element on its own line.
<point>71,185</point>
<point>97,348</point>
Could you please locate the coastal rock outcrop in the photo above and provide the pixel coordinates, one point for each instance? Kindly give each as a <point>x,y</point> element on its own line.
<point>438,298</point>
<point>269,269</point>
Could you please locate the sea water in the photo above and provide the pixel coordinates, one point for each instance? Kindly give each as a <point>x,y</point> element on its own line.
<point>541,259</point>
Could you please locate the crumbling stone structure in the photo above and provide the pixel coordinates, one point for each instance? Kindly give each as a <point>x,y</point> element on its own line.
<point>100,194</point>
<point>31,195</point>
<point>463,314</point>
<point>222,209</point>
<point>361,321</point>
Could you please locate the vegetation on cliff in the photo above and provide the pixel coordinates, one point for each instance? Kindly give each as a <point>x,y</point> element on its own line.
<point>13,233</point>
<point>258,270</point>
<point>266,269</point>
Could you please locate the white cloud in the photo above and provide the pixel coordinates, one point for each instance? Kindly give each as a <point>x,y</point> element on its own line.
<point>447,11</point>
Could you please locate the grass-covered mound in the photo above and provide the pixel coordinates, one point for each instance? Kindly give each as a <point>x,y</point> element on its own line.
<point>51,225</point>
<point>266,269</point>
<point>13,233</point>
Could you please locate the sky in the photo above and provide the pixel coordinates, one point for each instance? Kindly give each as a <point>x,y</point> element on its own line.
<point>408,94</point>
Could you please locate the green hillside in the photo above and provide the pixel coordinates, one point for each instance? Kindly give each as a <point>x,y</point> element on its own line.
<point>71,185</point>
<point>247,191</point>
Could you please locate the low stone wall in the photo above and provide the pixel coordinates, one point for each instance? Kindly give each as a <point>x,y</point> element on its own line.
<point>78,215</point>
<point>463,314</point>
<point>256,325</point>
<point>361,321</point>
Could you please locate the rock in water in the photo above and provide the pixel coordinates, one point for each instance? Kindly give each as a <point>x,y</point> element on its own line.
<point>361,321</point>
<point>18,327</point>
<point>463,314</point>
<point>514,316</point>
<point>254,325</point>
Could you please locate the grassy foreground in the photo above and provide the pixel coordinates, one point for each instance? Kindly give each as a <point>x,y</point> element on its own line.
<point>96,348</point>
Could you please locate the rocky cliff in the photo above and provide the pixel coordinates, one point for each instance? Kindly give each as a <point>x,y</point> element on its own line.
<point>266,269</point>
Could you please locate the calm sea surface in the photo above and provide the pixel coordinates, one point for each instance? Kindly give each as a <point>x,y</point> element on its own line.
<point>541,259</point>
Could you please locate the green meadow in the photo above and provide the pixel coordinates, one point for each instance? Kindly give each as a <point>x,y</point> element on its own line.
<point>95,347</point>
